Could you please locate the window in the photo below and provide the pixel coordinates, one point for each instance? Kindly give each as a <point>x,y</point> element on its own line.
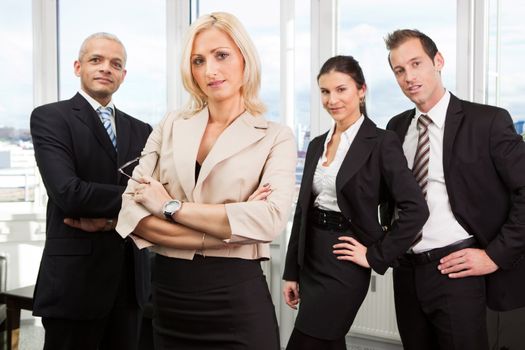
<point>141,26</point>
<point>361,34</point>
<point>506,77</point>
<point>17,165</point>
<point>303,83</point>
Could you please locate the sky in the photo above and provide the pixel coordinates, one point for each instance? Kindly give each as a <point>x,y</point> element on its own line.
<point>141,26</point>
<point>16,69</point>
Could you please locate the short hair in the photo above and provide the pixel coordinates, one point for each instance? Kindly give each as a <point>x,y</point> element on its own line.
<point>400,36</point>
<point>347,65</point>
<point>230,25</point>
<point>101,35</point>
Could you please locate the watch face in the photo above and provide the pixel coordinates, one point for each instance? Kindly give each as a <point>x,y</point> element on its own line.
<point>172,206</point>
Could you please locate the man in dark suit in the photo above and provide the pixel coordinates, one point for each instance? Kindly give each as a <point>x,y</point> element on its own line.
<point>471,249</point>
<point>91,282</point>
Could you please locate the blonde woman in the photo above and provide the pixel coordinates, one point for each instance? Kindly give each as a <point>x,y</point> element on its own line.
<point>221,190</point>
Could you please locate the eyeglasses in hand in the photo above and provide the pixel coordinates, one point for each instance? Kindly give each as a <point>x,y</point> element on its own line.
<point>123,169</point>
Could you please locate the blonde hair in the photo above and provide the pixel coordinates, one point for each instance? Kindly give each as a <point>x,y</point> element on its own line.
<point>230,25</point>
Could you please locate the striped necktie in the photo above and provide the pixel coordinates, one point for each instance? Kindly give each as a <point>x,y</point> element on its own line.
<point>105,114</point>
<point>421,160</point>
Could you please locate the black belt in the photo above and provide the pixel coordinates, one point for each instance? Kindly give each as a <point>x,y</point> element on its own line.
<point>328,220</point>
<point>438,253</point>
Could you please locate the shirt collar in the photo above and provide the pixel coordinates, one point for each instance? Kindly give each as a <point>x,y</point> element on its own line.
<point>94,103</point>
<point>348,132</point>
<point>437,113</point>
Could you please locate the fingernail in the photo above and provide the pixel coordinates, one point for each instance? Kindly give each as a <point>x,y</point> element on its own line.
<point>266,184</point>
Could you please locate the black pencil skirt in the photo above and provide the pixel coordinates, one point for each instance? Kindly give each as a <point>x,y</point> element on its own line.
<point>331,290</point>
<point>212,303</point>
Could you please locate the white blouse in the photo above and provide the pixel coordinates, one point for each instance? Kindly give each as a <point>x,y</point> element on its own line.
<point>323,185</point>
<point>441,228</point>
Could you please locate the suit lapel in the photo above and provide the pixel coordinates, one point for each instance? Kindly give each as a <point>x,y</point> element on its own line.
<point>358,153</point>
<point>310,164</point>
<point>242,132</point>
<point>123,139</point>
<point>188,134</point>
<point>85,113</point>
<point>402,128</point>
<point>452,123</point>
<point>315,150</point>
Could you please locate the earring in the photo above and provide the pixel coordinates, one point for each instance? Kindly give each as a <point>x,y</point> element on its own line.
<point>362,101</point>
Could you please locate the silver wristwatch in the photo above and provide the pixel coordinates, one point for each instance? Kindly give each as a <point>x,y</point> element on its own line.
<point>171,207</point>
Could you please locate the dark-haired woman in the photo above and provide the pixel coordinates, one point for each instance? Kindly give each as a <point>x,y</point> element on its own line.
<point>336,236</point>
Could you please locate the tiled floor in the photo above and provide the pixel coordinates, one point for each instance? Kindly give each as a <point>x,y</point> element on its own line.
<point>31,335</point>
<point>355,343</point>
<point>32,338</point>
<point>510,324</point>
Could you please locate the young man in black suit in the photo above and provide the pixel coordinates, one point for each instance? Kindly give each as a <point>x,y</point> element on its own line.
<point>471,249</point>
<point>91,282</point>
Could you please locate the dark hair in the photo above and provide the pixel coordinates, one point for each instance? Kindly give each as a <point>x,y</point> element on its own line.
<point>400,36</point>
<point>346,65</point>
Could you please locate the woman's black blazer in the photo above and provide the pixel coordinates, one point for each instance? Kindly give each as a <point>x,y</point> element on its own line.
<point>374,171</point>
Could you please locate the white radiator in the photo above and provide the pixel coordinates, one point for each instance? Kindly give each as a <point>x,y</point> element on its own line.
<point>376,317</point>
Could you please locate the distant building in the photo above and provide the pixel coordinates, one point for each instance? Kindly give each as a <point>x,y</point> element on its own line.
<point>10,134</point>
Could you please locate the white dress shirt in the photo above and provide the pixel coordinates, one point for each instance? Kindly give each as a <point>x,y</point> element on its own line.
<point>323,185</point>
<point>95,104</point>
<point>441,228</point>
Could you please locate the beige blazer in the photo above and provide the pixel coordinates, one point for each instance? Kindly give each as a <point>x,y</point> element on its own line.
<point>250,152</point>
